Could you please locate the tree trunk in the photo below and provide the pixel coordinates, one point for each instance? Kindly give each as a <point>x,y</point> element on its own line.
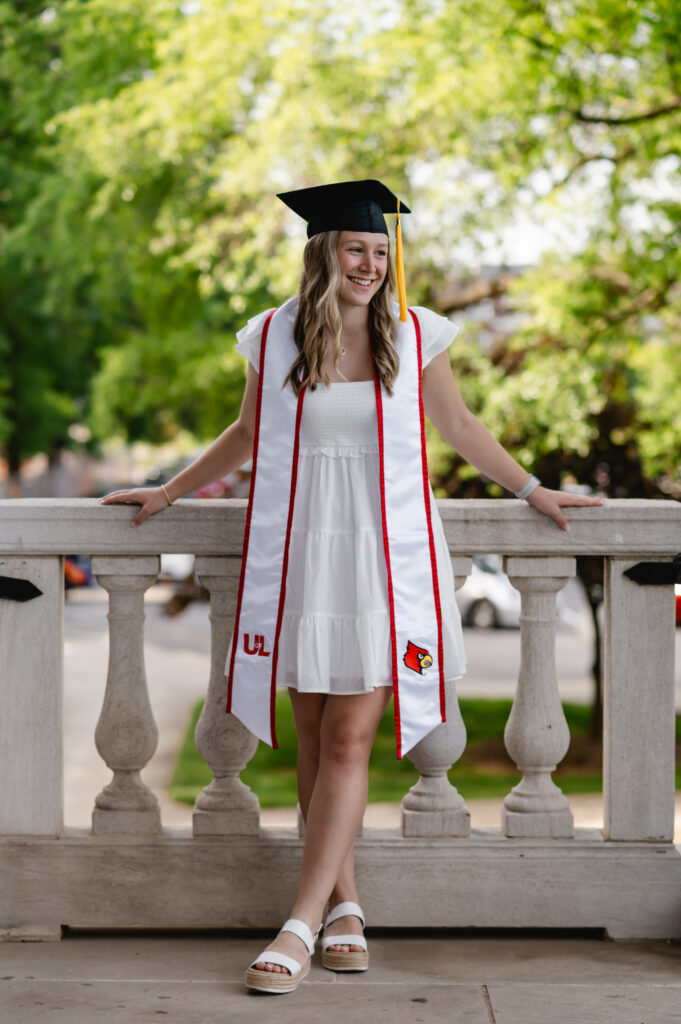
<point>14,484</point>
<point>590,572</point>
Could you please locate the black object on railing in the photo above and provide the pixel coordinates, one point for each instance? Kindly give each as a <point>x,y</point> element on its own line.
<point>656,573</point>
<point>18,590</point>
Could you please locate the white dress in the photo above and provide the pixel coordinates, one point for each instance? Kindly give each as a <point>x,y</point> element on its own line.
<point>335,635</point>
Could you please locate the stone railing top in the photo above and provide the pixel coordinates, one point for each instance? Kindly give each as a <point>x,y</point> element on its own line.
<point>625,527</point>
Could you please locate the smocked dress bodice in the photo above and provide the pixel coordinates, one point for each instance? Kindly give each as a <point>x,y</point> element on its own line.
<point>340,419</point>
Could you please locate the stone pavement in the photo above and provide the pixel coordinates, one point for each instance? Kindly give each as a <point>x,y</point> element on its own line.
<point>457,978</point>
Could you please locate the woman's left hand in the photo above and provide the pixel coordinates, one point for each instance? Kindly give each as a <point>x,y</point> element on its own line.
<point>551,502</point>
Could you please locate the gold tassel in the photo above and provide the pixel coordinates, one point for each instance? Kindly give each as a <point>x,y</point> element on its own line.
<point>399,266</point>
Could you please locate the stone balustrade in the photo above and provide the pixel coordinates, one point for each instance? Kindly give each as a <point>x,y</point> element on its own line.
<point>534,870</point>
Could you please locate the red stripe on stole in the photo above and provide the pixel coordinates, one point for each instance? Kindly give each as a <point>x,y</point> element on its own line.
<point>284,569</point>
<point>247,531</point>
<point>431,539</point>
<point>386,548</point>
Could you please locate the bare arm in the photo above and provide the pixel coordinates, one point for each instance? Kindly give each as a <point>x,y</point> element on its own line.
<point>230,450</point>
<point>464,432</point>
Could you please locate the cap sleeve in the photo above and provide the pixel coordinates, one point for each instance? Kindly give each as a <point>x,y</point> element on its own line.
<point>437,333</point>
<point>248,338</point>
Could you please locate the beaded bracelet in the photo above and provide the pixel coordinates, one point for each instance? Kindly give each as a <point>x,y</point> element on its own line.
<point>530,486</point>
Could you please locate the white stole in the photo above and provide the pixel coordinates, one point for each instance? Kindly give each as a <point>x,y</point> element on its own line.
<point>412,584</point>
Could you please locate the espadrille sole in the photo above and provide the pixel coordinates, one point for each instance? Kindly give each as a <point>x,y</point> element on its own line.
<point>350,961</point>
<point>274,983</point>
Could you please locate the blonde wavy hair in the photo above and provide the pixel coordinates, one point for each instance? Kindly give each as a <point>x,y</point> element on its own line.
<point>318,318</point>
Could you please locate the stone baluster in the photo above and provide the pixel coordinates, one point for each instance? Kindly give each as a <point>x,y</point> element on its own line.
<point>537,735</point>
<point>126,733</point>
<point>226,806</point>
<point>433,806</point>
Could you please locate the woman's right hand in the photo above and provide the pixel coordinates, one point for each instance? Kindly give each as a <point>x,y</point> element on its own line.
<point>152,499</point>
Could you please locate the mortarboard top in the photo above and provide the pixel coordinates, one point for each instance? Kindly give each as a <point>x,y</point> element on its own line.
<point>351,206</point>
<point>344,206</point>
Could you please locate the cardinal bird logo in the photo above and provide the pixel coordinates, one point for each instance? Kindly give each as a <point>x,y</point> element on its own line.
<point>417,658</point>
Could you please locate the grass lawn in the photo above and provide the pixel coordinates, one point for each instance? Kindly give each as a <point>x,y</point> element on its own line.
<point>484,770</point>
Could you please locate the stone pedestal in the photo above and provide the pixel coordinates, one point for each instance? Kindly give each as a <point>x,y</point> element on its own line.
<point>638,708</point>
<point>31,645</point>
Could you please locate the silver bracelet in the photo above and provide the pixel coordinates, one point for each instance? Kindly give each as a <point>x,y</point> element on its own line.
<point>530,486</point>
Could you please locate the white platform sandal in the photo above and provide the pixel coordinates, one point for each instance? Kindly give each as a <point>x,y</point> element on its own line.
<point>271,981</point>
<point>338,960</point>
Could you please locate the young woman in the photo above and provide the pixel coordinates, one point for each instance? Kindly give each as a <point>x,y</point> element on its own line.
<point>345,559</point>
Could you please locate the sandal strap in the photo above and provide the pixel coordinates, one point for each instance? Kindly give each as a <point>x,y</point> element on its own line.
<point>346,909</point>
<point>270,956</point>
<point>299,928</point>
<point>344,940</point>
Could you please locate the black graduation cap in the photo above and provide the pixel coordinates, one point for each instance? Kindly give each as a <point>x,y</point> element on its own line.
<point>351,206</point>
<point>344,206</point>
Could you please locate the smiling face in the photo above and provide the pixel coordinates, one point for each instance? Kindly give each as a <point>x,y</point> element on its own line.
<point>363,260</point>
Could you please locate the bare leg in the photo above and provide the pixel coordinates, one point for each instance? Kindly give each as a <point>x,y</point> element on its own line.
<point>307,713</point>
<point>348,726</point>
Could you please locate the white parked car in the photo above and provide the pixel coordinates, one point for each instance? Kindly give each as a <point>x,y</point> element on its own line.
<point>487,600</point>
<point>176,567</point>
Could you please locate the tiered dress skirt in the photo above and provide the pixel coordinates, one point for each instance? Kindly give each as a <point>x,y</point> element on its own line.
<point>335,634</point>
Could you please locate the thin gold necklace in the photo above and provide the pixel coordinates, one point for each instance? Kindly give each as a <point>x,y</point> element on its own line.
<point>339,372</point>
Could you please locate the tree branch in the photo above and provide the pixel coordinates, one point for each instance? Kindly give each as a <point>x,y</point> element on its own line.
<point>456,295</point>
<point>650,300</point>
<point>618,158</point>
<point>648,115</point>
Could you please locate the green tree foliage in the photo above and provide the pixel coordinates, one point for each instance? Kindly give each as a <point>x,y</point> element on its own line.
<point>51,315</point>
<point>145,143</point>
<point>584,122</point>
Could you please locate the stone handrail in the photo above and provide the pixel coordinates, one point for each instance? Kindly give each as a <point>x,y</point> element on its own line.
<point>535,869</point>
<point>622,528</point>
